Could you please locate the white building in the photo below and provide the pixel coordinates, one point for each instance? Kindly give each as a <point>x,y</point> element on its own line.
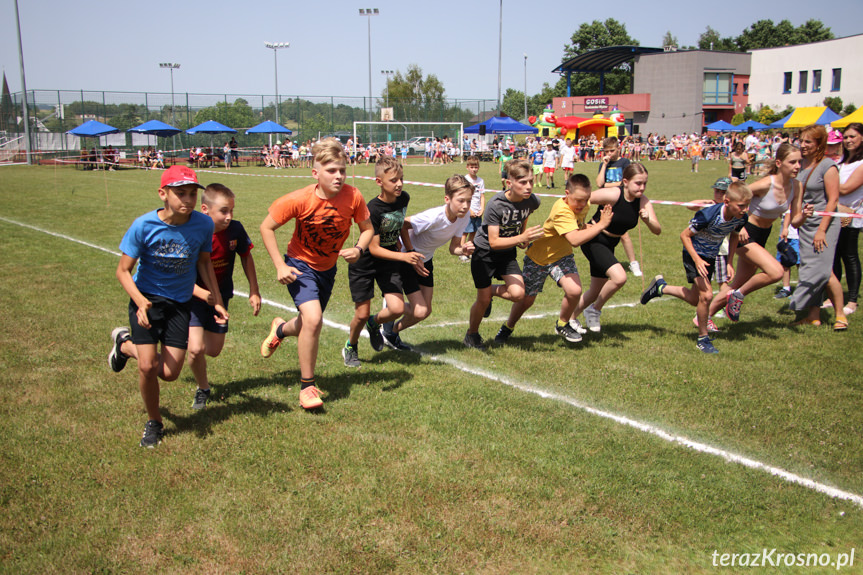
<point>804,75</point>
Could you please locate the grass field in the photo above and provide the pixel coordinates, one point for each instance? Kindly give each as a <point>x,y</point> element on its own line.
<point>448,461</point>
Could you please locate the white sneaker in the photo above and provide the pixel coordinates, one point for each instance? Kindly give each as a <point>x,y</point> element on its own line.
<point>591,316</point>
<point>635,269</point>
<point>463,259</point>
<point>576,325</point>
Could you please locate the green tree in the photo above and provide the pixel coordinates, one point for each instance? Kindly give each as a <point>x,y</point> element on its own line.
<point>234,115</point>
<point>669,40</point>
<point>413,96</point>
<point>814,31</point>
<point>834,104</point>
<point>765,34</point>
<point>513,104</point>
<point>849,109</point>
<point>711,40</point>
<point>591,37</point>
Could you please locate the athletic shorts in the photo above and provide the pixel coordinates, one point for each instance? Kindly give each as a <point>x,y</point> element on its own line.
<point>201,314</point>
<point>600,253</point>
<point>548,170</point>
<point>473,225</point>
<point>485,265</point>
<point>739,173</point>
<point>537,169</point>
<point>535,274</point>
<point>692,271</point>
<point>411,280</point>
<point>169,323</point>
<point>312,285</point>
<point>720,266</point>
<point>386,273</point>
<point>756,235</point>
<point>794,244</point>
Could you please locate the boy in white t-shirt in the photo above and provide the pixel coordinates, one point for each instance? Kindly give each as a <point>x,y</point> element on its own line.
<point>477,203</point>
<point>567,159</point>
<point>428,231</point>
<point>549,164</point>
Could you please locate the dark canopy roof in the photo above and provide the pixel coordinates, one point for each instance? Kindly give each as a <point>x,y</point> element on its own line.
<point>603,59</point>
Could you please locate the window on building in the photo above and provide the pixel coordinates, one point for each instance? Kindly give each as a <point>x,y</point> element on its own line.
<point>816,80</point>
<point>837,80</point>
<point>745,89</point>
<point>786,88</point>
<point>734,91</point>
<point>804,81</point>
<point>717,88</point>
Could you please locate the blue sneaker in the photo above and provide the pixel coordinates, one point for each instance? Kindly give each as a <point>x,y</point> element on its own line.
<point>706,345</point>
<point>653,290</point>
<point>392,339</point>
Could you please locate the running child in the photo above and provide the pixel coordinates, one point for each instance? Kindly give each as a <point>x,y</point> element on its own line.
<point>701,242</point>
<point>551,255</point>
<point>537,157</point>
<point>381,265</point>
<point>168,245</point>
<point>428,231</point>
<point>610,175</point>
<point>323,214</point>
<point>206,336</point>
<point>772,196</point>
<point>607,276</point>
<point>477,205</point>
<point>504,227</point>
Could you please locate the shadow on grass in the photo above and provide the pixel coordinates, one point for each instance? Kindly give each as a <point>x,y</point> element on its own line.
<point>234,398</point>
<point>767,327</point>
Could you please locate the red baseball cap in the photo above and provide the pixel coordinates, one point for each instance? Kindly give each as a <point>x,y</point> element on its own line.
<point>179,176</point>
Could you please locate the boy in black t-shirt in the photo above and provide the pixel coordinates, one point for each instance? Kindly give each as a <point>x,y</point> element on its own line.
<point>504,227</point>
<point>381,263</point>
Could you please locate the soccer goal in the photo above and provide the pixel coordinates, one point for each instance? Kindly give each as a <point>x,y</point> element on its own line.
<point>411,134</point>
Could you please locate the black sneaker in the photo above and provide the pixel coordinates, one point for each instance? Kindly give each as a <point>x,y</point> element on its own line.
<point>117,359</point>
<point>375,337</point>
<point>654,289</point>
<point>392,339</point>
<point>567,332</point>
<point>201,398</point>
<point>474,340</point>
<point>153,433</point>
<point>487,311</point>
<point>351,356</point>
<point>502,335</point>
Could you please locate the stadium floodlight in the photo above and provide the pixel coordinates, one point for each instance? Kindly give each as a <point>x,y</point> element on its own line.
<point>370,12</point>
<point>275,46</point>
<point>171,66</point>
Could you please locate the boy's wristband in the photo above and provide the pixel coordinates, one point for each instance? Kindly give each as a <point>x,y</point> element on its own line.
<point>362,251</point>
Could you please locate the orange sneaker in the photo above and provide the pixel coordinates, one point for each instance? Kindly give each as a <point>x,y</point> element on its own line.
<point>272,342</point>
<point>310,398</point>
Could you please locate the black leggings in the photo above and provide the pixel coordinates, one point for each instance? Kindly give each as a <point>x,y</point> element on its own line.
<point>846,253</point>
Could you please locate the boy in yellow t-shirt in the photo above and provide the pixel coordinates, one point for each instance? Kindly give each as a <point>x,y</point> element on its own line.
<point>551,255</point>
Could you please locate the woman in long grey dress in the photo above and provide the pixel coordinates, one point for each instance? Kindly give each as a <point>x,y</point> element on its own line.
<point>818,235</point>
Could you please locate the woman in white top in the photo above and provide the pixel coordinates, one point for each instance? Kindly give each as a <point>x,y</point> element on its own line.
<point>850,196</point>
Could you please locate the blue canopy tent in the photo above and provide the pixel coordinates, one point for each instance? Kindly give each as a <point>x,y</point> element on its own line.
<point>744,127</point>
<point>780,123</point>
<point>156,128</point>
<point>501,125</point>
<point>93,129</point>
<point>211,127</point>
<point>269,127</point>
<point>720,126</point>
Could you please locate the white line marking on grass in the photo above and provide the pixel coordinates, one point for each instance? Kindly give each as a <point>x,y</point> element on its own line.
<point>528,388</point>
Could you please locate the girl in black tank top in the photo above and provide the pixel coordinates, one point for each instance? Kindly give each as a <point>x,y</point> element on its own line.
<point>607,275</point>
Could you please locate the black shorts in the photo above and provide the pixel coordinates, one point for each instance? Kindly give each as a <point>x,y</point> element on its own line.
<point>386,273</point>
<point>692,271</point>
<point>169,323</point>
<point>756,235</point>
<point>204,315</point>
<point>485,265</point>
<point>739,173</point>
<point>411,280</point>
<point>600,253</point>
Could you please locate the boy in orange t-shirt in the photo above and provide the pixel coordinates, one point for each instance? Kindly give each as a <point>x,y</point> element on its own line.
<point>324,213</point>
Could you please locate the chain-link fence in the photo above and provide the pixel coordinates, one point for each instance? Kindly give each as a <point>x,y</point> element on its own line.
<point>54,112</point>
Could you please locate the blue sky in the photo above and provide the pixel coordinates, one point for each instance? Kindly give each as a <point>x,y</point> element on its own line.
<point>117,45</point>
